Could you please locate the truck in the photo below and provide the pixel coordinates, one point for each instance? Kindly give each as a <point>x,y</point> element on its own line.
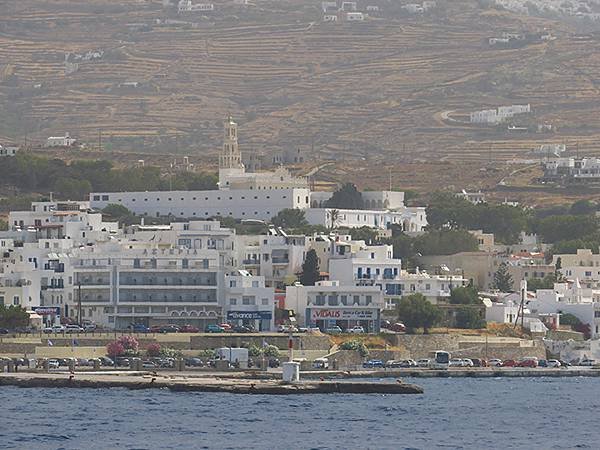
<point>235,356</point>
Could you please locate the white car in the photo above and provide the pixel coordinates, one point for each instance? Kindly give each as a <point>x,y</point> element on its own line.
<point>495,363</point>
<point>554,363</point>
<point>456,362</point>
<point>587,362</point>
<point>467,362</point>
<point>73,329</point>
<point>423,362</point>
<point>58,329</point>
<point>53,364</point>
<point>356,330</point>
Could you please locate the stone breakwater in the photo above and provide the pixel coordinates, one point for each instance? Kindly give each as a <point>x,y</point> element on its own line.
<point>204,384</point>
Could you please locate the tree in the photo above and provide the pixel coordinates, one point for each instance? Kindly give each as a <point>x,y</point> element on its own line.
<point>445,242</point>
<point>503,280</point>
<point>153,349</point>
<point>582,207</point>
<point>464,296</point>
<point>415,311</point>
<point>3,225</point>
<point>357,346</point>
<point>289,218</point>
<point>333,215</point>
<point>347,197</point>
<point>469,318</point>
<point>115,349</point>
<point>367,234</point>
<point>562,228</point>
<point>13,316</point>
<point>310,269</point>
<point>271,351</point>
<point>120,214</point>
<point>547,282</point>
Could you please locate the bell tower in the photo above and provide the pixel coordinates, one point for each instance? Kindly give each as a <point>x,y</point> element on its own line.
<point>230,157</point>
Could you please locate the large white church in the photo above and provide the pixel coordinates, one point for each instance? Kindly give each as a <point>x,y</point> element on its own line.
<point>261,196</point>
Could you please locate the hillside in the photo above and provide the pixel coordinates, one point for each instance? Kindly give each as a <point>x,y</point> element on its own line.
<point>383,91</point>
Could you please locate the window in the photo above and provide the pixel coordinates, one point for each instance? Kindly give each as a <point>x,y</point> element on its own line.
<point>248,301</point>
<point>232,283</point>
<point>96,198</point>
<point>265,301</point>
<point>105,198</point>
<point>233,301</point>
<point>369,299</point>
<point>16,300</point>
<point>255,284</point>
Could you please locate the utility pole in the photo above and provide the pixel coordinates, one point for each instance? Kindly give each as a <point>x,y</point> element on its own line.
<point>99,140</point>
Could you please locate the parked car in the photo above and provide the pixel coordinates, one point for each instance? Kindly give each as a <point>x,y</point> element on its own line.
<point>477,362</point>
<point>553,363</point>
<point>3,331</point>
<point>169,329</point>
<point>587,362</point>
<point>404,363</point>
<point>286,329</point>
<point>385,324</point>
<point>509,363</point>
<point>423,362</point>
<point>527,362</point>
<point>333,330</point>
<point>189,329</point>
<point>54,329</point>
<point>105,361</point>
<point>214,328</point>
<point>53,364</point>
<point>242,329</point>
<point>141,328</point>
<point>495,362</point>
<point>83,362</point>
<point>226,326</point>
<point>73,329</point>
<point>542,363</point>
<point>467,362</point>
<point>357,329</point>
<point>456,362</point>
<point>394,364</point>
<point>149,365</point>
<point>397,327</point>
<point>194,362</point>
<point>90,327</point>
<point>373,363</point>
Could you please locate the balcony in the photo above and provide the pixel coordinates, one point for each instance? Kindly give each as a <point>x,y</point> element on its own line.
<point>251,262</point>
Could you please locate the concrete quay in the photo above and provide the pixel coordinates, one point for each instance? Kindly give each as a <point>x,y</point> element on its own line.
<point>179,383</point>
<point>483,372</point>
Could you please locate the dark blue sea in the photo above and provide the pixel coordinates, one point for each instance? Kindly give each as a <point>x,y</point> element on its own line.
<point>523,413</point>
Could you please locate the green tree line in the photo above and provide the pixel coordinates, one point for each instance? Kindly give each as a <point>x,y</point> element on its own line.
<point>75,180</point>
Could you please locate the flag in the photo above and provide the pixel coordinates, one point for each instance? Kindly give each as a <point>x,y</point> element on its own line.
<point>74,343</point>
<point>264,343</point>
<point>50,344</point>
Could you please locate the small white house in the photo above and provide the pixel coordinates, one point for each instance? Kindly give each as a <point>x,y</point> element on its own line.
<point>8,151</point>
<point>355,17</point>
<point>60,141</point>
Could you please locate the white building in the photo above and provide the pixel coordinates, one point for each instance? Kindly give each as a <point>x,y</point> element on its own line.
<point>493,116</point>
<point>8,151</point>
<point>473,197</point>
<point>412,219</point>
<point>330,303</point>
<point>248,301</point>
<point>355,17</point>
<point>583,267</point>
<point>60,141</point>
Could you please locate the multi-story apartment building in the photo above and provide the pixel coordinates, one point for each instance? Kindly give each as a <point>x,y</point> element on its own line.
<point>583,266</point>
<point>330,303</point>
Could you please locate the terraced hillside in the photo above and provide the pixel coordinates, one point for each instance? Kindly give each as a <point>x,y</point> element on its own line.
<point>375,90</point>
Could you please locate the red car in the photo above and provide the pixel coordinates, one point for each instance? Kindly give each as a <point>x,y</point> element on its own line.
<point>509,363</point>
<point>397,327</point>
<point>189,329</point>
<point>527,362</point>
<point>226,327</point>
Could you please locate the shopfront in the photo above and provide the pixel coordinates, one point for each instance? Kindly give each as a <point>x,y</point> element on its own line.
<point>346,318</point>
<point>50,314</point>
<point>259,320</point>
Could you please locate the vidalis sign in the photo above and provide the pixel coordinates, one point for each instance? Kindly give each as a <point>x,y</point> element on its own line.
<point>342,314</point>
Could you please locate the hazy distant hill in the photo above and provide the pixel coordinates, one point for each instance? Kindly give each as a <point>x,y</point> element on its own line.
<point>392,88</point>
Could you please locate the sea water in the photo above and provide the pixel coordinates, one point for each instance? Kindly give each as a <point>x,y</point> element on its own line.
<point>519,413</point>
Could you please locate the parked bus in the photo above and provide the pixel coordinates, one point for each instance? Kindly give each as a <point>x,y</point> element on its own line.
<point>439,359</point>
